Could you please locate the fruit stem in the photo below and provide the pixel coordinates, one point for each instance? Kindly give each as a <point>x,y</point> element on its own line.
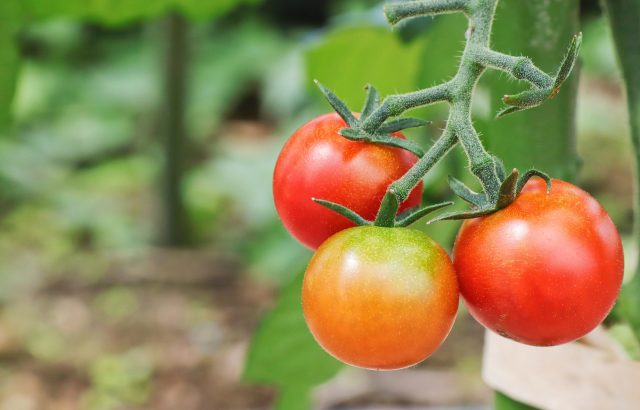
<point>458,92</point>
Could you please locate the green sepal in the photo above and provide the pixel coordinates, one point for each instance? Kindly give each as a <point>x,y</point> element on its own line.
<point>569,61</point>
<point>508,190</point>
<point>464,192</point>
<point>383,139</point>
<point>415,214</point>
<point>338,105</point>
<point>388,208</point>
<point>508,110</point>
<point>528,98</point>
<point>530,174</point>
<point>370,103</point>
<point>400,124</point>
<point>457,215</point>
<point>344,211</point>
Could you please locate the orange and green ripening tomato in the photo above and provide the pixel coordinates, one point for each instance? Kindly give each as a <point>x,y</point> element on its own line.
<point>543,271</point>
<point>380,298</point>
<point>317,162</point>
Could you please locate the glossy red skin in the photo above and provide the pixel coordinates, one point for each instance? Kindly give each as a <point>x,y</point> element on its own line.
<point>317,162</point>
<point>544,271</point>
<point>380,298</point>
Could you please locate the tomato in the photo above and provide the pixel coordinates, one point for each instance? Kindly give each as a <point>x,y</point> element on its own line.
<point>543,271</point>
<point>380,298</point>
<point>317,162</point>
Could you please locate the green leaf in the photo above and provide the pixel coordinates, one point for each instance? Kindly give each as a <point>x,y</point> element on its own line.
<point>345,65</point>
<point>371,102</point>
<point>344,211</point>
<point>464,192</point>
<point>284,353</point>
<point>569,60</point>
<point>355,134</point>
<point>15,14</point>
<point>338,105</point>
<point>10,15</point>
<point>118,12</point>
<point>413,215</point>
<point>623,17</point>
<point>400,124</point>
<point>294,398</point>
<point>504,402</point>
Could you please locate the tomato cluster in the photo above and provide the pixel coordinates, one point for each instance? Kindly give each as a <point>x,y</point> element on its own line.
<point>544,270</point>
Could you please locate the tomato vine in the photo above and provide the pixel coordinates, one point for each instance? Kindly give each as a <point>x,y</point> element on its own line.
<point>498,188</point>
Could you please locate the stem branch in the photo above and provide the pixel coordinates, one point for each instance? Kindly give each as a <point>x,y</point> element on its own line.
<point>396,104</point>
<point>521,68</point>
<point>458,92</point>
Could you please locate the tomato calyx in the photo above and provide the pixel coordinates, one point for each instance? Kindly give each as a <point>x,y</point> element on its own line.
<point>403,219</point>
<point>510,188</point>
<point>381,135</point>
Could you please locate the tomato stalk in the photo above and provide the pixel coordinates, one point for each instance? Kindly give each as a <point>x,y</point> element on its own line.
<point>498,189</point>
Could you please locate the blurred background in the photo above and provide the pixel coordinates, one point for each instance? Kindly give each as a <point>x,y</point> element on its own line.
<point>139,245</point>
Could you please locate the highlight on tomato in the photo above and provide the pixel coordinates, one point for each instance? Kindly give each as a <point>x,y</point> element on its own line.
<point>380,298</point>
<point>317,162</point>
<point>545,270</point>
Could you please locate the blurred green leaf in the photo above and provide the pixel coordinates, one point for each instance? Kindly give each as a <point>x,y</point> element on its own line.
<point>441,48</point>
<point>9,61</point>
<point>378,57</point>
<point>503,402</point>
<point>623,333</point>
<point>117,303</point>
<point>14,14</point>
<point>119,379</point>
<point>126,11</point>
<point>597,55</point>
<point>284,353</point>
<point>228,66</point>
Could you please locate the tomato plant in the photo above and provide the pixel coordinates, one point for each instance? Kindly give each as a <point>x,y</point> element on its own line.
<point>545,270</point>
<point>380,298</point>
<point>317,162</point>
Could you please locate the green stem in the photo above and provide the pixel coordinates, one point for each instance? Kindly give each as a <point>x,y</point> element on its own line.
<point>395,105</point>
<point>404,185</point>
<point>459,92</point>
<point>521,68</point>
<point>398,11</point>
<point>174,229</point>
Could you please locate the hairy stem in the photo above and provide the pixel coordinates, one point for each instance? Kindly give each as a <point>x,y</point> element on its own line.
<point>459,92</point>
<point>394,105</point>
<point>398,11</point>
<point>521,68</point>
<point>403,186</point>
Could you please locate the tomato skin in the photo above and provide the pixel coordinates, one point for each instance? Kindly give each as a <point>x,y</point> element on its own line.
<point>380,298</point>
<point>317,162</point>
<point>543,271</point>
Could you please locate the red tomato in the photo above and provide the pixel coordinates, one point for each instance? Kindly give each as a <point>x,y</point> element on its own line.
<point>543,271</point>
<point>380,298</point>
<point>317,162</point>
